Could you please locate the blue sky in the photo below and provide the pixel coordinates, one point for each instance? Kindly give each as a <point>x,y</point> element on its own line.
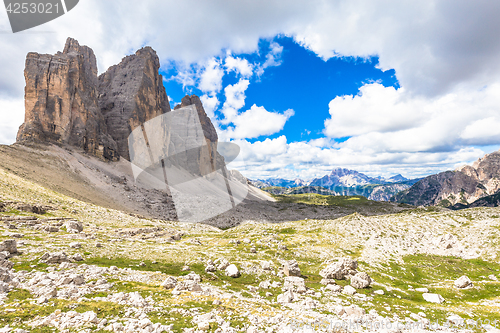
<point>300,81</point>
<point>381,87</point>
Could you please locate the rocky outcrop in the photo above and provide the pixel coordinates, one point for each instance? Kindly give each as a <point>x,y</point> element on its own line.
<point>208,158</point>
<point>386,192</point>
<point>434,189</point>
<point>458,188</point>
<point>291,268</point>
<point>344,177</point>
<point>67,103</point>
<point>342,269</point>
<point>485,170</point>
<point>462,282</point>
<point>61,99</point>
<point>207,126</point>
<point>361,280</point>
<point>487,201</point>
<point>130,94</point>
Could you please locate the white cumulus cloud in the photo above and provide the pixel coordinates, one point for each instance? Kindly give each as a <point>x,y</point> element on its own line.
<point>375,108</point>
<point>483,131</point>
<point>209,104</point>
<point>211,77</point>
<point>257,121</point>
<point>387,120</point>
<point>235,100</point>
<point>239,65</point>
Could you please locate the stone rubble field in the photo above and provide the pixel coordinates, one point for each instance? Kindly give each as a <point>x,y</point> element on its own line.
<point>69,266</point>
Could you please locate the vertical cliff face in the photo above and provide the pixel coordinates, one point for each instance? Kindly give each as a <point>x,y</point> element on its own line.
<point>61,99</point>
<point>462,186</point>
<point>130,94</point>
<point>67,103</point>
<point>206,124</point>
<point>208,158</point>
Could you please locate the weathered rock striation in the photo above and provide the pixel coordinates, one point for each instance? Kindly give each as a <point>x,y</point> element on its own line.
<point>61,99</point>
<point>206,124</point>
<point>130,94</point>
<point>208,158</point>
<point>459,188</point>
<point>67,103</point>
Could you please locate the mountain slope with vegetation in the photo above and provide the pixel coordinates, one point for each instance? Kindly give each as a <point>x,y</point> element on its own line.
<point>462,186</point>
<point>340,182</point>
<point>126,272</point>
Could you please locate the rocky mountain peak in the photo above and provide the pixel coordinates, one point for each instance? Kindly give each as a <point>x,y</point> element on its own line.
<point>61,98</point>
<point>67,103</point>
<point>465,185</point>
<point>130,94</point>
<point>398,178</point>
<point>147,51</point>
<point>73,48</point>
<point>342,177</point>
<point>72,45</point>
<point>341,171</point>
<point>206,124</point>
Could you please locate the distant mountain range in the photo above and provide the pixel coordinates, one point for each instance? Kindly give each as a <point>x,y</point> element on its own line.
<point>352,178</point>
<point>476,185</point>
<point>339,182</point>
<point>469,186</point>
<point>279,182</point>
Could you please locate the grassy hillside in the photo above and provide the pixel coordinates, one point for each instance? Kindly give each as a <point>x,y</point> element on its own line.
<point>398,251</point>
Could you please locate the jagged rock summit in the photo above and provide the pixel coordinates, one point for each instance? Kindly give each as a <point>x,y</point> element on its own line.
<point>67,103</point>
<point>130,94</point>
<point>61,99</point>
<point>458,188</point>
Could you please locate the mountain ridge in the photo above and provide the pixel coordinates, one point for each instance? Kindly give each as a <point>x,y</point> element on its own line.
<point>340,176</point>
<point>68,104</point>
<point>340,181</point>
<point>464,185</point>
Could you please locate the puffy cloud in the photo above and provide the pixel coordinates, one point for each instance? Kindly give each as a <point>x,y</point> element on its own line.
<point>263,150</point>
<point>273,58</point>
<point>484,131</point>
<point>185,76</point>
<point>257,121</point>
<point>387,120</point>
<point>209,104</point>
<point>211,77</point>
<point>374,109</point>
<point>235,100</point>
<point>252,123</point>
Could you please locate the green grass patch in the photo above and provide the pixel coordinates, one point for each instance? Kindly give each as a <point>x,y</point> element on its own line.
<point>20,265</point>
<point>26,311</point>
<point>17,295</point>
<point>149,265</point>
<point>319,199</point>
<point>432,267</point>
<point>129,286</point>
<point>437,273</point>
<point>287,231</point>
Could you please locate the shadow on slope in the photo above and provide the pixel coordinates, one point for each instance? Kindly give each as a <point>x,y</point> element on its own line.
<point>111,185</point>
